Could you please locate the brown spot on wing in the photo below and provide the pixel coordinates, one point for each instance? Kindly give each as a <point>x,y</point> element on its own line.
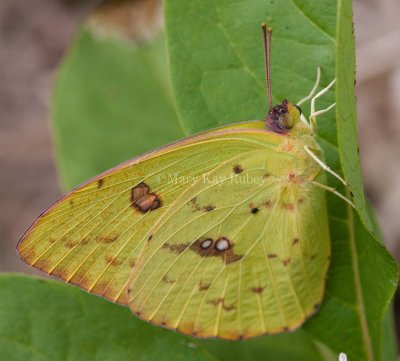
<point>167,280</point>
<point>237,169</point>
<point>267,204</point>
<point>295,241</point>
<point>71,244</point>
<point>257,290</point>
<point>106,239</point>
<point>143,200</point>
<point>140,190</point>
<point>112,261</point>
<point>132,263</point>
<point>197,207</point>
<point>186,327</point>
<point>203,286</point>
<point>221,301</point>
<point>58,270</point>
<point>272,255</point>
<point>208,208</point>
<point>227,255</point>
<point>85,241</point>
<point>175,248</point>
<point>100,183</point>
<point>230,257</point>
<point>288,206</point>
<point>39,263</point>
<point>286,261</point>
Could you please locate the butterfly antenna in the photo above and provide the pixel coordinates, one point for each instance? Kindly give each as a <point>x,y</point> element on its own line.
<point>267,34</point>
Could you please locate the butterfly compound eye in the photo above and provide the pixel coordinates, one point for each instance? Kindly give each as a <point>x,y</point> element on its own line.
<point>283,123</point>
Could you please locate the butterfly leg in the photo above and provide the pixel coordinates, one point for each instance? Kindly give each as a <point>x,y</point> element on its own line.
<point>314,88</point>
<point>311,94</point>
<point>314,113</point>
<point>324,166</point>
<point>334,191</point>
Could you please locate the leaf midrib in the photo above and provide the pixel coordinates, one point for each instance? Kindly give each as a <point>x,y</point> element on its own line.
<point>358,288</point>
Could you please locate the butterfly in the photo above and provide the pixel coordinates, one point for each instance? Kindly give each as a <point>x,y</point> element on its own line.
<point>223,234</point>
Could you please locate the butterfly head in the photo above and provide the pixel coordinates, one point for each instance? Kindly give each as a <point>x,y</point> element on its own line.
<point>282,118</point>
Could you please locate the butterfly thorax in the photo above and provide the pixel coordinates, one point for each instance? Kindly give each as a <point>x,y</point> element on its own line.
<point>285,119</point>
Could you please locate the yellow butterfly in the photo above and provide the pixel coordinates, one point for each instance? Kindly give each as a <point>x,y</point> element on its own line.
<point>222,234</point>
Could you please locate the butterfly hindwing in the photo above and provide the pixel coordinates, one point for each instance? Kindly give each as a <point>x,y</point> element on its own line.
<point>242,252</point>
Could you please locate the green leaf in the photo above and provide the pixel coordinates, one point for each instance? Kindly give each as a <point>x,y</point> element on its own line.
<point>217,71</point>
<point>346,108</point>
<point>112,101</point>
<point>44,320</point>
<point>362,280</point>
<point>217,63</point>
<point>369,263</point>
<point>389,339</point>
<point>52,321</point>
<point>276,347</point>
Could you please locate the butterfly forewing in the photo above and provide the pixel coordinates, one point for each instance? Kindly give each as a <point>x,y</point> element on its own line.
<point>93,236</point>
